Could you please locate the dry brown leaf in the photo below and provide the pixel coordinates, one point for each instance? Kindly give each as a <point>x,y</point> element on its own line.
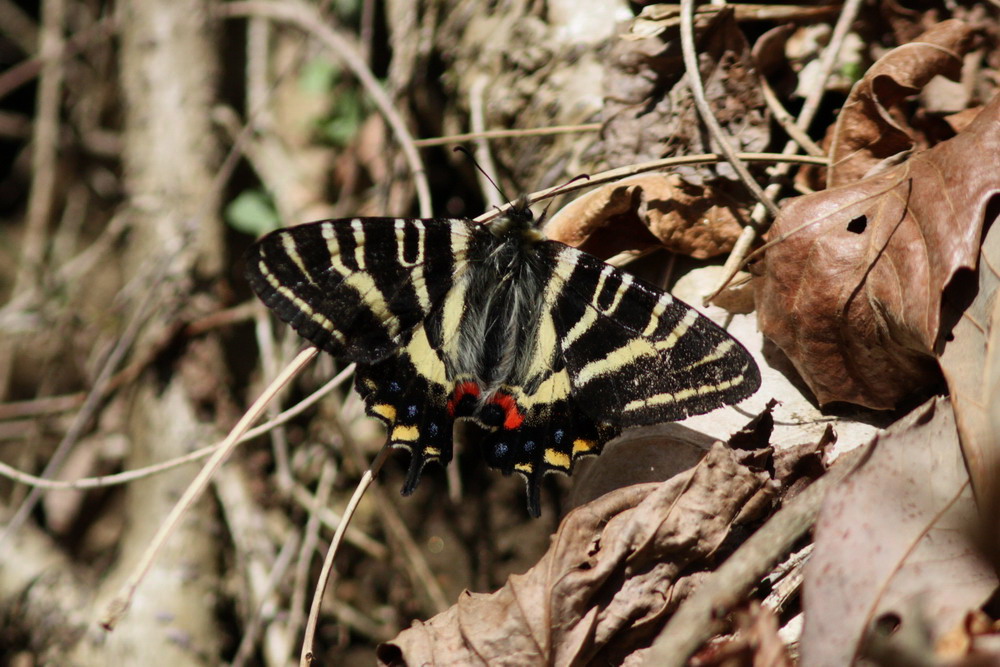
<point>873,125</point>
<point>893,540</point>
<point>971,366</point>
<point>649,211</point>
<point>755,644</point>
<point>648,454</point>
<point>852,292</point>
<point>649,113</point>
<point>606,584</point>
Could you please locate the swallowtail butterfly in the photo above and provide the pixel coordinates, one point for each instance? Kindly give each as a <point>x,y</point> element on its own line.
<point>550,350</point>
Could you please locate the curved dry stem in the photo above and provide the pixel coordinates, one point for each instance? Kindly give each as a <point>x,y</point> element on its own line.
<point>788,122</point>
<point>705,111</point>
<point>307,19</point>
<point>507,134</point>
<point>738,257</point>
<point>476,117</point>
<point>310,543</point>
<point>148,302</point>
<point>653,165</point>
<point>197,455</point>
<point>121,602</point>
<point>308,641</point>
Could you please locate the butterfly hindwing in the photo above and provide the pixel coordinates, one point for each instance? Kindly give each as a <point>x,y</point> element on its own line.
<point>409,393</point>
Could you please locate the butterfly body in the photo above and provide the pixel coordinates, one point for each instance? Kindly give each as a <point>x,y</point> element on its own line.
<point>549,350</point>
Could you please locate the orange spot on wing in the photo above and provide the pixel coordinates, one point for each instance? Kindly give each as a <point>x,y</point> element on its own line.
<point>462,389</point>
<point>512,416</point>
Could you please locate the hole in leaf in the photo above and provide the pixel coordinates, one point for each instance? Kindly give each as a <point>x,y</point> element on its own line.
<point>858,225</point>
<point>886,624</point>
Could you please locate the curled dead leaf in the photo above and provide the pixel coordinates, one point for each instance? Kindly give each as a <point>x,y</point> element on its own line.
<point>873,125</point>
<point>605,586</point>
<point>649,211</point>
<point>970,362</point>
<point>852,288</point>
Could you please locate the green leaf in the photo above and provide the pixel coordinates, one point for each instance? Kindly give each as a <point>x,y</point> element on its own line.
<point>252,212</point>
<point>345,118</point>
<point>318,76</point>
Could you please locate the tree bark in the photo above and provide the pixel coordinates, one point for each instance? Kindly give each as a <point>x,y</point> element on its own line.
<point>171,158</point>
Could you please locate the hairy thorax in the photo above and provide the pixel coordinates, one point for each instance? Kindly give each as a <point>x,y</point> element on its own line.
<point>503,303</point>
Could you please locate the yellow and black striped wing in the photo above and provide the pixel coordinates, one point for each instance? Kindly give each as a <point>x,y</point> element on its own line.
<point>635,355</point>
<point>357,288</point>
<point>363,289</point>
<point>551,351</point>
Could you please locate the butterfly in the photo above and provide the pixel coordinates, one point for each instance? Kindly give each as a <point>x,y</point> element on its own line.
<point>549,350</point>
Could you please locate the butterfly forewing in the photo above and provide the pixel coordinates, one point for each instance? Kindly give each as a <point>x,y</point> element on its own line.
<point>638,356</point>
<point>356,288</point>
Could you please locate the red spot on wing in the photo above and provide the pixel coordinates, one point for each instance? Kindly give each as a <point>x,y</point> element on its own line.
<point>512,416</point>
<point>462,389</point>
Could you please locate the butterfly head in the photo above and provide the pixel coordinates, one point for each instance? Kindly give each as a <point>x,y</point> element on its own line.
<point>518,221</point>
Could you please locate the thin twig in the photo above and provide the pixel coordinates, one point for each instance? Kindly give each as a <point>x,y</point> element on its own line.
<point>310,542</point>
<point>308,642</point>
<point>705,111</point>
<point>358,538</point>
<point>121,602</point>
<point>269,361</point>
<point>26,70</point>
<point>788,122</point>
<point>412,557</point>
<point>307,19</point>
<point>506,134</point>
<point>94,397</point>
<point>828,61</point>
<point>249,639</point>
<point>44,148</point>
<point>701,616</point>
<point>45,405</point>
<point>197,455</point>
<point>741,249</point>
<point>483,152</point>
<point>18,26</point>
<point>260,563</point>
<point>653,165</point>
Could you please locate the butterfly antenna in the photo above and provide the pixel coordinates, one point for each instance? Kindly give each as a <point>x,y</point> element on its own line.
<point>482,171</point>
<point>558,190</point>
